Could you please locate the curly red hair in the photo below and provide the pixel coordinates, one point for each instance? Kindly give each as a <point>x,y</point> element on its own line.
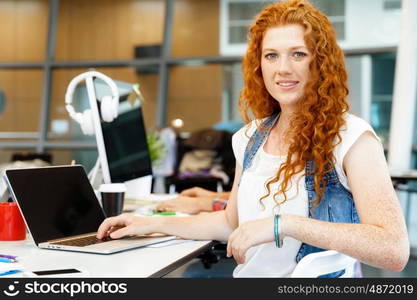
<point>320,113</point>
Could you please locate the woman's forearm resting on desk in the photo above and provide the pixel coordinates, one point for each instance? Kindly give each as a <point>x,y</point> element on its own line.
<point>211,226</point>
<point>361,241</point>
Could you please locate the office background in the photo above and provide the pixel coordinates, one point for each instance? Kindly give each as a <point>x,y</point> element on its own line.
<point>185,54</point>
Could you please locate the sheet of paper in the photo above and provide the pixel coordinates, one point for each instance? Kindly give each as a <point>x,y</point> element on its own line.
<point>134,204</point>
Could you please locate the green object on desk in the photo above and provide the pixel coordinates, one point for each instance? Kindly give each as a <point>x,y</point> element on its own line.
<point>162,213</point>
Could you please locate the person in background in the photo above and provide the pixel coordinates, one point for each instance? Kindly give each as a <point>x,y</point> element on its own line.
<point>309,175</point>
<point>194,201</point>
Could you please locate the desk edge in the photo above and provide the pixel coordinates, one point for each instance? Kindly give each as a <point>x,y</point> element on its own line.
<point>182,261</point>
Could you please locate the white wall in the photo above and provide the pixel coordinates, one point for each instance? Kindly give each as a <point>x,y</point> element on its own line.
<point>359,69</point>
<point>368,25</point>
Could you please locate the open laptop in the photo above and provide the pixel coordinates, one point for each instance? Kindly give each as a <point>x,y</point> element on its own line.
<point>62,211</point>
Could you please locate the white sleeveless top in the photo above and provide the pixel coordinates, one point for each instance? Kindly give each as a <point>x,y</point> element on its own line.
<point>266,260</point>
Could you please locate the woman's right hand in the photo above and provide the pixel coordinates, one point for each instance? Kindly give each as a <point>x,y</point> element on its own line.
<point>125,224</point>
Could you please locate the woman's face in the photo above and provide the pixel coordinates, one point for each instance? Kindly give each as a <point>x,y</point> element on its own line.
<point>285,63</point>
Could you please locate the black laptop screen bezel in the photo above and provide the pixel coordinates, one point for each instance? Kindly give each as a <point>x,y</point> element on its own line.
<point>55,202</point>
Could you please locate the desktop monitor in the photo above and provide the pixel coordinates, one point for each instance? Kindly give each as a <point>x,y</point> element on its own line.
<point>122,147</point>
<point>126,147</point>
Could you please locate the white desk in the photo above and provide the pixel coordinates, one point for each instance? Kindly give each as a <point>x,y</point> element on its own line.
<point>141,262</point>
<point>152,261</point>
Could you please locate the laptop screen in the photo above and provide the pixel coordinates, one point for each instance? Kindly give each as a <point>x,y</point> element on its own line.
<point>56,202</point>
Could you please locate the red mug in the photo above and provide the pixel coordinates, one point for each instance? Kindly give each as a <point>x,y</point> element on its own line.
<point>12,226</point>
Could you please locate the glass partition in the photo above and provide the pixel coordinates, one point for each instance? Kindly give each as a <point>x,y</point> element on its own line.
<point>20,102</point>
<point>63,128</point>
<point>23,30</point>
<point>195,28</point>
<point>104,30</point>
<point>196,96</point>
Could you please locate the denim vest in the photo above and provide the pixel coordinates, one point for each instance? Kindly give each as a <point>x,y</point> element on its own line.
<point>336,204</point>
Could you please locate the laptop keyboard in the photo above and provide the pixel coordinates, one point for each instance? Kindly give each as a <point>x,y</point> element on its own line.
<point>83,241</point>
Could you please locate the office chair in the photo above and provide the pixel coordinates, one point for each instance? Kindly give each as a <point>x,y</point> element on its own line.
<point>325,262</point>
<point>206,139</point>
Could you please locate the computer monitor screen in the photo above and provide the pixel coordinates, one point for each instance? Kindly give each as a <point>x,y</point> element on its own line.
<point>122,144</point>
<point>125,143</point>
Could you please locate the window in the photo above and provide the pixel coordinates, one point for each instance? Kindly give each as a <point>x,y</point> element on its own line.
<point>237,15</point>
<point>235,18</point>
<point>383,70</point>
<point>335,10</point>
<point>392,4</point>
<point>241,15</point>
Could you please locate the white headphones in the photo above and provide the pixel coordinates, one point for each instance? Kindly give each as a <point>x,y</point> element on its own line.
<point>108,104</point>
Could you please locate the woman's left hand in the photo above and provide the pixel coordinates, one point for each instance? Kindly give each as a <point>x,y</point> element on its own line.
<point>188,205</point>
<point>249,234</point>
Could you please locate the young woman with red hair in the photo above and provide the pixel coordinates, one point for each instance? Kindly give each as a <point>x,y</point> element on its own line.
<point>309,175</point>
